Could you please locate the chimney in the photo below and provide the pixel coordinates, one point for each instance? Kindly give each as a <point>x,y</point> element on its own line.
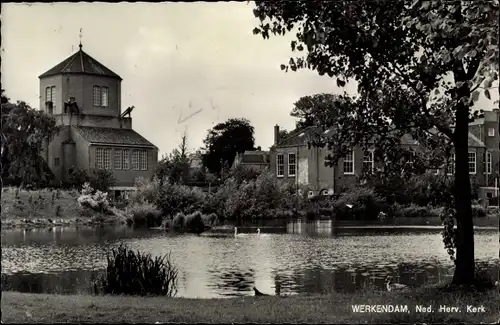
<point>276,134</point>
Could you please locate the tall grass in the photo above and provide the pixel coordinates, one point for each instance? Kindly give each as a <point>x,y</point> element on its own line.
<point>145,214</point>
<point>194,222</point>
<point>136,273</point>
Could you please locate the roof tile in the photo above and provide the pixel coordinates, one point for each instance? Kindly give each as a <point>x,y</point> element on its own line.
<point>112,136</point>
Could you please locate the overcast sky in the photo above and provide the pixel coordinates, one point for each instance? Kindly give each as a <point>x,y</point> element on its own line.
<point>174,58</point>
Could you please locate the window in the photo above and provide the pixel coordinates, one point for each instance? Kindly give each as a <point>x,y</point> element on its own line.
<point>472,162</point>
<point>97,96</point>
<point>488,162</point>
<point>50,94</point>
<point>104,96</point>
<point>135,160</point>
<point>107,158</point>
<point>349,163</point>
<point>53,95</point>
<point>118,159</point>
<point>450,170</point>
<point>143,155</point>
<point>126,159</point>
<point>491,132</point>
<point>292,164</point>
<point>56,161</point>
<point>368,162</point>
<point>280,165</point>
<point>103,158</point>
<point>99,158</point>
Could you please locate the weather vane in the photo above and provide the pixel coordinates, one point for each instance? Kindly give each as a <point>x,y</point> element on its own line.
<point>80,35</point>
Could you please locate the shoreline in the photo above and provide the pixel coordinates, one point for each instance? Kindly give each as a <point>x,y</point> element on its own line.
<point>335,308</point>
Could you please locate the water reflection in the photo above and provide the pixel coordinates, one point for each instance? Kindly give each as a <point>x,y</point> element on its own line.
<point>301,258</point>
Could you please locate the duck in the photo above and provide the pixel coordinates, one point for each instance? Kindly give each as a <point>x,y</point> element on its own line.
<point>394,286</point>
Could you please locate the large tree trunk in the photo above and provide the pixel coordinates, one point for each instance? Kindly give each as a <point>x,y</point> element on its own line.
<point>464,263</point>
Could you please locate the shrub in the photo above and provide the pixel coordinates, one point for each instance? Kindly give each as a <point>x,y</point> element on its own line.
<point>478,211</point>
<point>146,190</point>
<point>366,205</point>
<point>99,179</point>
<point>136,273</point>
<point>178,222</point>
<point>415,211</point>
<point>145,214</point>
<point>194,223</point>
<point>96,201</point>
<point>173,198</point>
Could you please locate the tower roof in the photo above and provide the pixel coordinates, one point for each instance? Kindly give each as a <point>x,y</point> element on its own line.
<point>80,63</point>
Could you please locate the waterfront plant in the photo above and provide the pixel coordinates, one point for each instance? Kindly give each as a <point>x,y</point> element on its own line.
<point>131,272</point>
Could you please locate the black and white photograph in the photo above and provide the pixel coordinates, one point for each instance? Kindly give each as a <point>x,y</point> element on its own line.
<point>333,162</point>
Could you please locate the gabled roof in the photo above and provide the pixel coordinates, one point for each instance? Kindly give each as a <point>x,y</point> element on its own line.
<point>96,135</point>
<point>80,63</point>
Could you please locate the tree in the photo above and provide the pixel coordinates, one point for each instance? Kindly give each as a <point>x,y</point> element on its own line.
<point>283,134</point>
<point>175,167</point>
<point>226,140</point>
<point>418,66</point>
<point>24,132</point>
<point>309,108</point>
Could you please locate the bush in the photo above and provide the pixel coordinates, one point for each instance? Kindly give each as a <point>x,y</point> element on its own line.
<point>478,211</point>
<point>96,201</point>
<point>366,205</point>
<point>178,222</point>
<point>99,179</point>
<point>194,223</point>
<point>136,273</point>
<point>145,214</point>
<point>146,190</point>
<point>415,211</point>
<point>173,198</point>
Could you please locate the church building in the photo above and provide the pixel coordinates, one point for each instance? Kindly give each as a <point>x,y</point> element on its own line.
<point>84,97</point>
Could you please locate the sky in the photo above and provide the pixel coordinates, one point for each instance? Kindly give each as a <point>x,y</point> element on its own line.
<point>174,59</point>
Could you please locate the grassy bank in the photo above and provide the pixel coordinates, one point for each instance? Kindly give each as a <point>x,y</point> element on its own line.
<point>34,308</point>
<point>46,208</point>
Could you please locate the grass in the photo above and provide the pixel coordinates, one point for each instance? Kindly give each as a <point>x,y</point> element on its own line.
<point>334,309</point>
<point>40,208</point>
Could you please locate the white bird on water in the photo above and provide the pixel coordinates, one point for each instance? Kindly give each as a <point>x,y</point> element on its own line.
<point>394,286</point>
<point>236,232</point>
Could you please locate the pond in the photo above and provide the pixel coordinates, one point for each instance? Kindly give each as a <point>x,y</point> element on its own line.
<point>298,258</point>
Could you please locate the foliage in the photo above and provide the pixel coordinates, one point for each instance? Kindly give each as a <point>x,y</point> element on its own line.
<point>243,173</point>
<point>415,211</point>
<point>100,179</point>
<point>145,214</point>
<point>93,200</point>
<point>418,65</point>
<point>24,132</point>
<point>366,204</point>
<point>175,167</point>
<point>478,211</point>
<point>308,108</point>
<point>146,190</point>
<point>224,141</point>
<point>136,273</point>
<point>173,198</point>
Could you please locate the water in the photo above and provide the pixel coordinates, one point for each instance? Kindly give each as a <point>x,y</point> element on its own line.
<point>301,258</point>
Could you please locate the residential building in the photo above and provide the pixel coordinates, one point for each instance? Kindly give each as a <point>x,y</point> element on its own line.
<point>84,97</point>
<point>255,159</point>
<point>293,161</point>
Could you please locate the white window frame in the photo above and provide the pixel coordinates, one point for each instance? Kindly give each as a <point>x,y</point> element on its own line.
<point>99,158</point>
<point>126,159</point>
<point>370,161</point>
<point>469,156</point>
<point>107,161</point>
<point>104,97</point>
<point>143,160</point>
<point>135,160</point>
<point>48,94</point>
<point>351,161</point>
<point>491,132</point>
<point>117,158</point>
<point>294,164</point>
<point>488,162</point>
<point>53,96</point>
<point>96,96</point>
<point>278,165</point>
<point>451,165</point>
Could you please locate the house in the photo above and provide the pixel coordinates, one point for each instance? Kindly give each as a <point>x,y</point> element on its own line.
<point>253,159</point>
<point>292,160</point>
<point>84,97</point>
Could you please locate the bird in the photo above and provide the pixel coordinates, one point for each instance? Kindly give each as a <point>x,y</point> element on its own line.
<point>349,206</point>
<point>394,286</point>
<point>258,231</point>
<point>258,293</point>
